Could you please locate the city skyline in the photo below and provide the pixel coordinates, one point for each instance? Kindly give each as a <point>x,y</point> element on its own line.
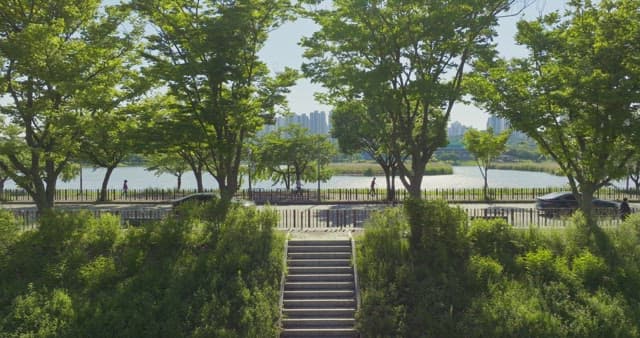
<point>282,50</point>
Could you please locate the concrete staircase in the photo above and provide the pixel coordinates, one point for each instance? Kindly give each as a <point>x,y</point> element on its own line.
<point>319,297</point>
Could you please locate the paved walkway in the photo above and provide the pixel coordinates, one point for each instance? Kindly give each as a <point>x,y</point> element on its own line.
<point>324,233</point>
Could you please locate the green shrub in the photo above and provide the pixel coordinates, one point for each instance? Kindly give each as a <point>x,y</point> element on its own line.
<point>513,309</point>
<point>496,239</point>
<point>9,231</point>
<point>39,313</point>
<point>590,269</point>
<point>603,315</point>
<point>441,280</point>
<point>542,266</point>
<point>184,276</point>
<point>438,281</point>
<point>485,270</point>
<point>382,264</point>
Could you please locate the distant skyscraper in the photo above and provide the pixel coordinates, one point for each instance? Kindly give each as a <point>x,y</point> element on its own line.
<point>316,122</point>
<point>456,129</point>
<point>497,124</point>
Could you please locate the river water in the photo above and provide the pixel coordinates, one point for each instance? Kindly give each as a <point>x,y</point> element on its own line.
<point>462,177</point>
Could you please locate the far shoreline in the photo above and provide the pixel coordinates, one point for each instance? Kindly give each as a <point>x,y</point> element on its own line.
<point>370,168</point>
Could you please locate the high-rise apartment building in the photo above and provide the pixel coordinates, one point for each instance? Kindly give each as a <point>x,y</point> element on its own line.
<point>456,129</point>
<point>317,122</point>
<point>498,124</point>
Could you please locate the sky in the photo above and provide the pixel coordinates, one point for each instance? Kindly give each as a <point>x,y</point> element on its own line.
<point>282,50</point>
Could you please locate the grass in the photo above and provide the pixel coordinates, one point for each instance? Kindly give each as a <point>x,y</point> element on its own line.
<point>373,169</point>
<point>547,166</point>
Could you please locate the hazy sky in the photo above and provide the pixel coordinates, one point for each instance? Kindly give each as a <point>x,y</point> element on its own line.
<point>282,50</point>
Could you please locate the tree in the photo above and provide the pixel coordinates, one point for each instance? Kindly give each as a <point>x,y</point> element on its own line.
<point>634,171</point>
<point>575,92</point>
<point>168,163</point>
<point>291,153</point>
<point>55,59</point>
<point>175,142</point>
<point>485,146</point>
<point>207,54</point>
<point>361,129</point>
<point>112,134</point>
<point>406,59</point>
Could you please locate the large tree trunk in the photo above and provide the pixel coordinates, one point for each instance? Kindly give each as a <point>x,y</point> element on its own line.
<point>105,183</point>
<point>387,177</point>
<point>199,184</point>
<point>586,204</point>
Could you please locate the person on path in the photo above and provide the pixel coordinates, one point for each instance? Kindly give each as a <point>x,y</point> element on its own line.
<point>372,191</point>
<point>625,210</point>
<point>125,189</point>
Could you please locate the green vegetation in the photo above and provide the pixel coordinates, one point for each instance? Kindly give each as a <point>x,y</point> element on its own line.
<point>373,169</point>
<point>189,276</point>
<point>291,154</point>
<point>484,146</point>
<point>424,272</point>
<point>547,167</point>
<point>395,69</point>
<point>573,92</point>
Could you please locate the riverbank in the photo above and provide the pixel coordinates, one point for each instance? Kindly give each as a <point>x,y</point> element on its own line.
<point>371,168</point>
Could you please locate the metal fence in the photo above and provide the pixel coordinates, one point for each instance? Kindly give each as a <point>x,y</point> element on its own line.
<point>292,219</point>
<point>282,196</point>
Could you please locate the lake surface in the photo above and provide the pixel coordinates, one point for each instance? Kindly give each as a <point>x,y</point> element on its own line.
<point>462,177</point>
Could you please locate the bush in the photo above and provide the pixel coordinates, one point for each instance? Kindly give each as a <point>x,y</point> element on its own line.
<point>496,239</point>
<point>485,270</point>
<point>382,264</point>
<point>513,309</point>
<point>184,276</point>
<point>441,279</point>
<point>590,269</point>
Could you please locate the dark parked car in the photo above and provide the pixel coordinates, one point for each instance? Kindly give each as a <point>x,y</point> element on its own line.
<point>203,197</point>
<point>564,203</point>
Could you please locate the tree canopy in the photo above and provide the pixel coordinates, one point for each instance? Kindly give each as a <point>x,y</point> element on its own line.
<point>577,91</point>
<point>485,146</point>
<point>207,54</point>
<point>58,62</point>
<point>405,59</point>
<point>292,154</point>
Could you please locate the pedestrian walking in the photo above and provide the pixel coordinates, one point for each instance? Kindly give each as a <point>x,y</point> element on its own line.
<point>372,191</point>
<point>625,210</point>
<point>125,189</point>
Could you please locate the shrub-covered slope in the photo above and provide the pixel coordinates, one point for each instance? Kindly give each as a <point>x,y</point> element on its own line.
<point>425,272</point>
<point>197,275</point>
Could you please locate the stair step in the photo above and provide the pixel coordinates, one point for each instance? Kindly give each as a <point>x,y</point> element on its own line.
<point>338,242</point>
<point>319,248</point>
<point>319,255</point>
<point>318,262</point>
<point>319,294</point>
<point>313,333</point>
<point>318,286</point>
<point>319,313</point>
<point>319,323</point>
<point>320,278</point>
<point>310,270</point>
<point>319,303</point>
